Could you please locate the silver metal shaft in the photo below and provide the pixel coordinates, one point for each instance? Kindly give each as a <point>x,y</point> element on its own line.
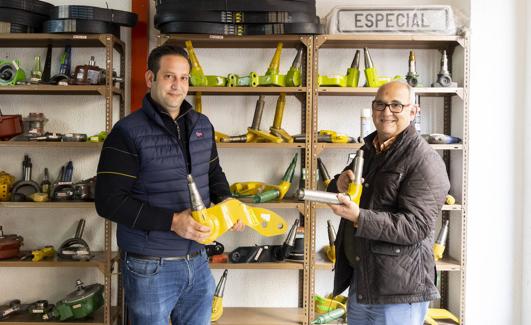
<point>317,196</point>
<point>196,201</point>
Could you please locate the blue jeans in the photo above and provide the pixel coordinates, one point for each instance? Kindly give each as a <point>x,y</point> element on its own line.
<point>158,290</point>
<point>386,314</point>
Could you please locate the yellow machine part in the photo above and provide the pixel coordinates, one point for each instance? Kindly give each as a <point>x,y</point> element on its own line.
<point>254,136</point>
<point>336,138</point>
<point>254,188</point>
<point>221,217</point>
<point>326,304</point>
<point>331,253</point>
<point>217,308</point>
<point>437,313</point>
<point>39,254</point>
<point>6,181</point>
<point>438,251</point>
<point>354,191</point>
<point>450,200</point>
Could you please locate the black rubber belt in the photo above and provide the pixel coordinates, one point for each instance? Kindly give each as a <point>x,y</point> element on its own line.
<point>239,29</point>
<point>119,17</point>
<point>80,26</point>
<point>17,28</point>
<point>21,17</point>
<point>236,17</point>
<point>237,5</point>
<point>35,6</point>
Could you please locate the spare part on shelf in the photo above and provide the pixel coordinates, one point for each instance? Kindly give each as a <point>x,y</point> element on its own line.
<point>276,129</point>
<point>354,188</point>
<point>199,108</point>
<point>76,248</point>
<point>444,79</point>
<point>450,200</point>
<point>254,134</point>
<point>197,76</point>
<point>25,187</point>
<point>39,254</point>
<point>412,76</point>
<point>22,17</point>
<point>7,27</point>
<point>297,252</point>
<point>262,192</point>
<point>100,137</point>
<point>432,19</point>
<point>118,17</point>
<point>74,137</point>
<point>11,73</point>
<point>88,74</point>
<point>440,243</point>
<point>438,138</point>
<point>9,245</point>
<point>330,316</point>
<point>79,304</point>
<point>334,137</point>
<point>235,5</point>
<point>323,173</point>
<point>63,189</point>
<point>80,26</point>
<point>217,303</point>
<point>351,79</point>
<point>177,27</point>
<point>330,250</point>
<point>222,216</point>
<point>40,307</point>
<point>85,190</point>
<point>34,6</point>
<point>13,307</point>
<point>33,128</point>
<point>436,314</point>
<point>372,79</point>
<point>36,72</point>
<point>235,17</point>
<point>216,248</point>
<point>6,183</point>
<point>10,126</point>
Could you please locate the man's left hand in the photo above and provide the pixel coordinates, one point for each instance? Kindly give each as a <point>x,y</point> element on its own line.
<point>238,226</point>
<point>347,209</point>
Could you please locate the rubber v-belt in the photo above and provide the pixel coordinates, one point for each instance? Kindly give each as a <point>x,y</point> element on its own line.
<point>236,17</point>
<point>239,29</point>
<point>35,6</point>
<point>237,5</point>
<point>16,28</point>
<point>21,17</point>
<point>80,26</point>
<point>119,17</point>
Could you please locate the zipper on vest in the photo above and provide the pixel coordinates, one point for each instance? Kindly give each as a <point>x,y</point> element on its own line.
<point>179,138</point>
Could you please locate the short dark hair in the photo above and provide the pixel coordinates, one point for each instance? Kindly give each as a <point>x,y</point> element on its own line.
<point>158,52</point>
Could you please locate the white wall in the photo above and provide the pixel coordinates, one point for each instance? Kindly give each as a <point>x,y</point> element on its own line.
<point>494,271</point>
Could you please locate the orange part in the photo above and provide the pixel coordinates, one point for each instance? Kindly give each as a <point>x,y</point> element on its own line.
<point>140,44</point>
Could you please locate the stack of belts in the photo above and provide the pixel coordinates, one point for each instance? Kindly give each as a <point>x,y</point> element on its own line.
<point>23,16</point>
<point>237,17</point>
<point>33,16</point>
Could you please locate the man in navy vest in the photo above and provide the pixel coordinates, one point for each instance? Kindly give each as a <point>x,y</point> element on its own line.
<point>141,185</point>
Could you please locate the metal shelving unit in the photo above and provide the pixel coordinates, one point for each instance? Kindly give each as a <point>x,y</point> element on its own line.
<point>103,260</point>
<point>450,264</point>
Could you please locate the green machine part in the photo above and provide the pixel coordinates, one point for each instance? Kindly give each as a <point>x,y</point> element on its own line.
<point>79,304</point>
<point>197,76</point>
<point>11,73</point>
<point>351,79</point>
<point>251,80</point>
<point>293,77</point>
<point>282,188</point>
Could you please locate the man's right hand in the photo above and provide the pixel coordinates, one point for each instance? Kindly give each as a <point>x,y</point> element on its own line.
<point>344,180</point>
<point>185,226</point>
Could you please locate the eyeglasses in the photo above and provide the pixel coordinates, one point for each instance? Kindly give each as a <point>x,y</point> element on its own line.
<point>393,107</point>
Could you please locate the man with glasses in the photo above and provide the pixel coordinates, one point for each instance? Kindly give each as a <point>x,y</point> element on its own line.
<point>384,245</point>
<point>142,186</point>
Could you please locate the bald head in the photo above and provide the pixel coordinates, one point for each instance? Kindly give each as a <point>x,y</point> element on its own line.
<point>393,109</point>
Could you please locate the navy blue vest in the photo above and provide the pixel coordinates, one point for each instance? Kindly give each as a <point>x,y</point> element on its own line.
<point>161,180</point>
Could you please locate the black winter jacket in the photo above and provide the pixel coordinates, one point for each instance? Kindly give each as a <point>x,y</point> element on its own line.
<point>392,247</point>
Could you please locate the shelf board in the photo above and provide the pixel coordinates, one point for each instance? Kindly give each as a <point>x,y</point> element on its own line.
<point>261,316</point>
<point>284,204</point>
<point>261,145</point>
<point>97,261</point>
<point>363,91</point>
<point>58,90</point>
<point>446,264</point>
<point>389,41</point>
<point>258,266</point>
<point>27,319</point>
<point>50,145</point>
<point>232,41</point>
<point>47,205</point>
<point>34,40</point>
<point>355,146</point>
<point>446,207</point>
<point>246,90</point>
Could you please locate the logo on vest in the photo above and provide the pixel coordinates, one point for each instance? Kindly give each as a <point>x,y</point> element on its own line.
<point>199,134</point>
